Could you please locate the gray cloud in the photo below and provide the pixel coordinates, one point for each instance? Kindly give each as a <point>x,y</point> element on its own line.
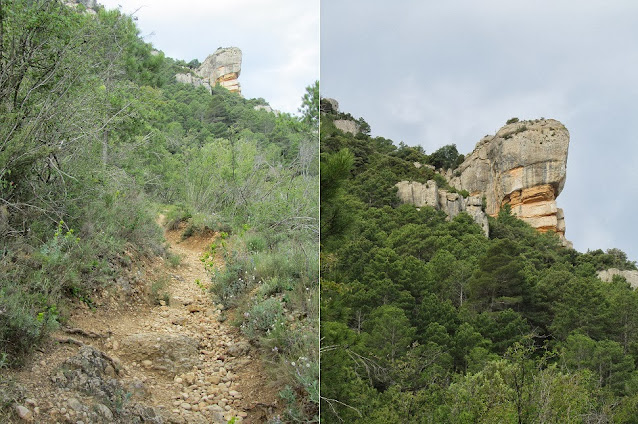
<point>434,73</point>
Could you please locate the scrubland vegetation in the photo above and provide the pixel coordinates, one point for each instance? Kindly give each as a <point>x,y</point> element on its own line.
<point>97,138</point>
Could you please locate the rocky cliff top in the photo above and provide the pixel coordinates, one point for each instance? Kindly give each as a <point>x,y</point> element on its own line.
<point>524,165</point>
<point>519,156</point>
<point>222,67</point>
<point>225,61</point>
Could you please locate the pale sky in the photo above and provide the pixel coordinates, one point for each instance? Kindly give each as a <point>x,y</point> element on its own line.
<point>279,39</point>
<point>441,72</point>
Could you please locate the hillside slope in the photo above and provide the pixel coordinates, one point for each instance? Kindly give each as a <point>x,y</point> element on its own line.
<point>425,315</point>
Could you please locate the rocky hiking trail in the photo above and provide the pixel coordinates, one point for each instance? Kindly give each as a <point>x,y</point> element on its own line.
<point>137,362</point>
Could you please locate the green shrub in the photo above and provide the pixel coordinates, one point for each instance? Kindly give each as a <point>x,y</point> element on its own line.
<point>236,276</point>
<point>159,291</point>
<point>275,285</point>
<point>512,121</point>
<point>175,216</point>
<point>262,317</point>
<point>255,242</point>
<point>173,260</point>
<point>25,319</point>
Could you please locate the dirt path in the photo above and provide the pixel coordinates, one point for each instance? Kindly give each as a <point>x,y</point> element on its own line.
<point>188,365</point>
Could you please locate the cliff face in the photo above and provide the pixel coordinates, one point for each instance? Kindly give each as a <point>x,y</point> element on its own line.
<point>222,67</point>
<point>523,165</point>
<point>429,194</point>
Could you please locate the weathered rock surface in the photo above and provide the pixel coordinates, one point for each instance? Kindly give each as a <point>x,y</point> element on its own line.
<point>268,109</point>
<point>347,126</point>
<point>193,80</point>
<point>524,165</point>
<point>88,373</point>
<point>630,275</point>
<point>169,353</point>
<point>329,105</point>
<point>429,194</point>
<point>24,413</point>
<point>222,67</point>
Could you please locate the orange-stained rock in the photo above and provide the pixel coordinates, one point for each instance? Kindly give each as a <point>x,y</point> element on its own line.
<point>524,165</point>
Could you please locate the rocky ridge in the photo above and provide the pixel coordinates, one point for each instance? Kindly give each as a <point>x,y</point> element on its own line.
<point>222,67</point>
<point>523,165</point>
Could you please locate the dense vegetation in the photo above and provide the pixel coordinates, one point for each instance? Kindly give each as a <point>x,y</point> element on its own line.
<point>97,138</point>
<point>426,320</point>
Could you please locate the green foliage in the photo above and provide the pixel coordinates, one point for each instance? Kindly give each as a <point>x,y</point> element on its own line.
<point>262,318</point>
<point>310,105</point>
<point>159,291</point>
<point>511,121</point>
<point>95,130</point>
<point>447,157</point>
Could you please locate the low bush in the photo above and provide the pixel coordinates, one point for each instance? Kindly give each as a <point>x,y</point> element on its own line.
<point>175,215</point>
<point>159,291</point>
<point>274,286</point>
<point>262,318</point>
<point>234,278</point>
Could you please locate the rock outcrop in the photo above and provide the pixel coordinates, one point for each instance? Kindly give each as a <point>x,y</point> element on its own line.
<point>347,126</point>
<point>193,80</point>
<point>630,275</point>
<point>429,194</point>
<point>222,67</point>
<point>523,165</point>
<point>90,380</point>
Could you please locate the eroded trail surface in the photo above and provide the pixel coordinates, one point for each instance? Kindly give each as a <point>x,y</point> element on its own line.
<point>137,362</point>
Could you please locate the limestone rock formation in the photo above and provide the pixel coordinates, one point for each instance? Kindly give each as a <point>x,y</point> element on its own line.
<point>328,105</point>
<point>193,80</point>
<point>347,126</point>
<point>222,67</point>
<point>429,194</point>
<point>523,165</point>
<point>268,109</point>
<point>630,275</point>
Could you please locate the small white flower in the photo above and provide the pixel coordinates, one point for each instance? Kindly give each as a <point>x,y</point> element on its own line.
<point>293,363</point>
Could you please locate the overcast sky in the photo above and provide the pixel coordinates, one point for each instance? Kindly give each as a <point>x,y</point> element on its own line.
<point>279,39</point>
<point>434,73</point>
